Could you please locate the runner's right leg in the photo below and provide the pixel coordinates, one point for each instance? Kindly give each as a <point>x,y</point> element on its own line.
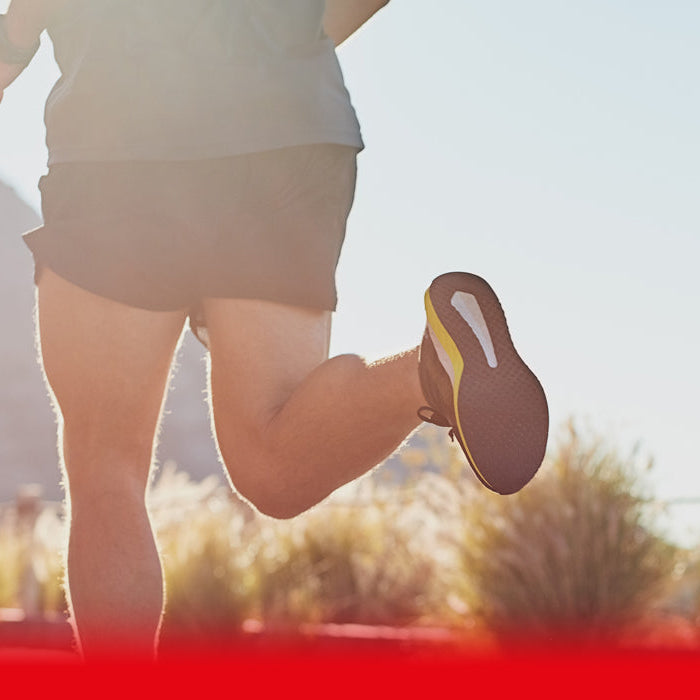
<point>107,365</point>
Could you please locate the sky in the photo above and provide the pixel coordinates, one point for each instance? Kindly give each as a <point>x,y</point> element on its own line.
<point>551,147</point>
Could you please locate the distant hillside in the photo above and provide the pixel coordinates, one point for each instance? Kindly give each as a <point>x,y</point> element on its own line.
<point>27,433</point>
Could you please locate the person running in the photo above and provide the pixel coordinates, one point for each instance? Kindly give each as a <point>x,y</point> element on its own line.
<point>202,164</point>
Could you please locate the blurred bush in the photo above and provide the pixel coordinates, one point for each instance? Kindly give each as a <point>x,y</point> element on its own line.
<point>31,562</point>
<point>200,530</point>
<point>420,543</point>
<point>363,556</point>
<point>10,562</point>
<point>346,563</point>
<point>577,551</point>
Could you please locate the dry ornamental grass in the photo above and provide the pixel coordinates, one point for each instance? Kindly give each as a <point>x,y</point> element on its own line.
<point>577,550</point>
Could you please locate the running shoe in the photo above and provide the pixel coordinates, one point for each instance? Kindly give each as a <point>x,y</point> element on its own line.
<point>477,385</point>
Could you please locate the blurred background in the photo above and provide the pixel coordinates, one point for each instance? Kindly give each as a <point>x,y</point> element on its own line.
<point>549,147</point>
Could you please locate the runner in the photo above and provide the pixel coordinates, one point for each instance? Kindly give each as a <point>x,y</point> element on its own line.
<point>202,166</point>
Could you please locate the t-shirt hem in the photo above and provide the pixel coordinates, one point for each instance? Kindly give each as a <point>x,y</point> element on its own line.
<point>206,152</point>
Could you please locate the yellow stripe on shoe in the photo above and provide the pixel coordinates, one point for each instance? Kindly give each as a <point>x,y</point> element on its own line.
<point>450,348</point>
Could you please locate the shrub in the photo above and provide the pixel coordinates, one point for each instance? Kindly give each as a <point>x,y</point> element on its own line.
<point>359,557</point>
<point>576,551</point>
<point>345,563</point>
<point>10,562</point>
<point>31,562</point>
<point>206,563</point>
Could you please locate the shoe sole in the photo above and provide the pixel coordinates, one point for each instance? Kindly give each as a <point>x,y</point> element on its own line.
<point>502,419</point>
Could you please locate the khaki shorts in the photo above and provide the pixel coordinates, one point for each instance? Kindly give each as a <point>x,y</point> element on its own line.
<point>165,235</point>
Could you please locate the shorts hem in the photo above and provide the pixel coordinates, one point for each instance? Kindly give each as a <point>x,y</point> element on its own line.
<point>43,258</point>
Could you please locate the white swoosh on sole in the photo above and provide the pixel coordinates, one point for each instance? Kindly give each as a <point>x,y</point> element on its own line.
<point>468,308</point>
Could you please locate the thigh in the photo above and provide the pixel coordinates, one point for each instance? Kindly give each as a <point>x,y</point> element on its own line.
<point>260,354</point>
<point>107,365</point>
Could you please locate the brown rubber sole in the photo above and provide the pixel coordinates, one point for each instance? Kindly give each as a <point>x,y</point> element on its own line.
<point>500,408</point>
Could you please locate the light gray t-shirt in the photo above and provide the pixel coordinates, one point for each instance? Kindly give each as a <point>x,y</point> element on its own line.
<point>192,79</point>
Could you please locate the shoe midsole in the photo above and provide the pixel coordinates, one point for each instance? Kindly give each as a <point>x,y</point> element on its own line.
<point>450,348</point>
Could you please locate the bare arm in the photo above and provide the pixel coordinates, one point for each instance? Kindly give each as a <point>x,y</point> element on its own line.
<point>345,17</point>
<point>19,34</point>
<point>26,19</point>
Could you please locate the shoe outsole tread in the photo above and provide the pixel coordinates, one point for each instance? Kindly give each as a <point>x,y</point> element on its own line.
<point>500,413</point>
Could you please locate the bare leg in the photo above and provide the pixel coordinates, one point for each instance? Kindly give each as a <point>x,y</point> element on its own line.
<point>292,425</point>
<point>107,365</point>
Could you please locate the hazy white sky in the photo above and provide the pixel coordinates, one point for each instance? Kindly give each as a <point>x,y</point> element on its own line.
<point>551,147</point>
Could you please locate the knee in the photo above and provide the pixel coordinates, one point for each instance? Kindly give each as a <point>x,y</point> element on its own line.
<point>266,481</point>
<point>269,492</point>
<point>272,503</point>
<point>93,466</point>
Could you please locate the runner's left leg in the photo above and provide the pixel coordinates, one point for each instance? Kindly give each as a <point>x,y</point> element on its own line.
<point>292,425</point>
